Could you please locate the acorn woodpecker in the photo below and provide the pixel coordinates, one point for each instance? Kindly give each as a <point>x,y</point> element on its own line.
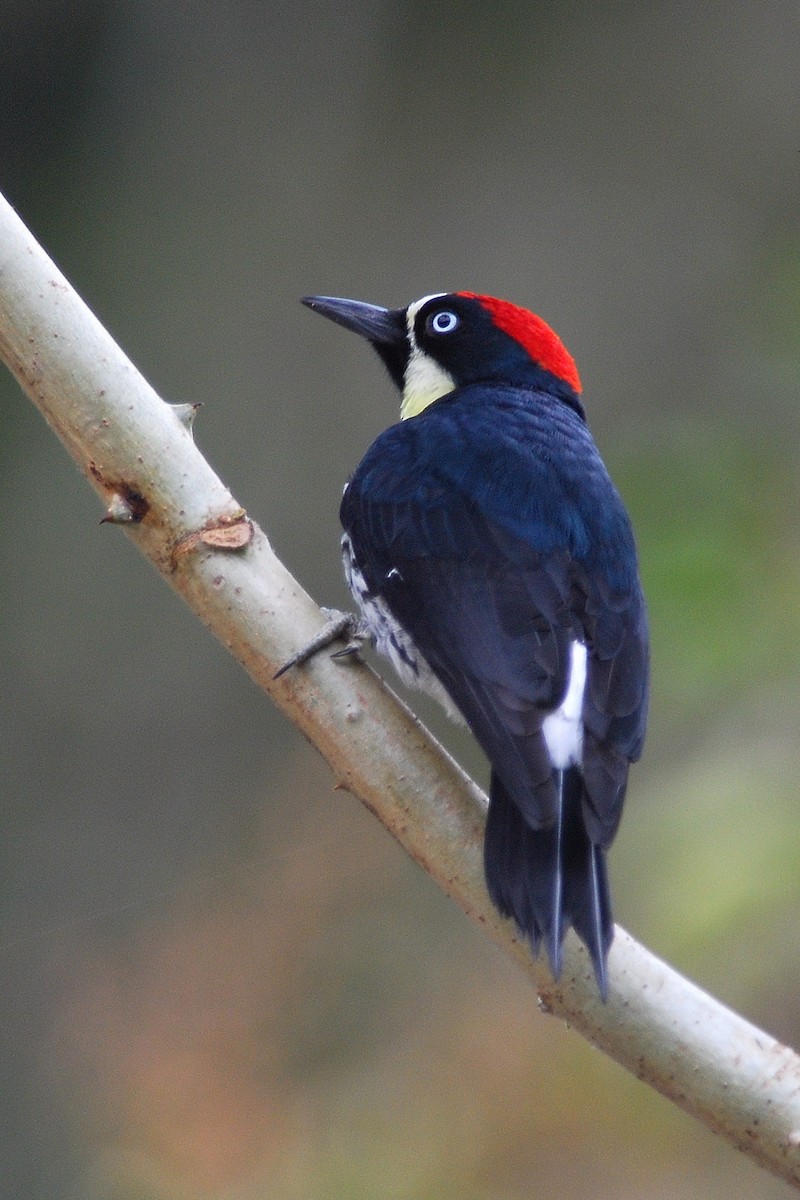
<point>493,562</point>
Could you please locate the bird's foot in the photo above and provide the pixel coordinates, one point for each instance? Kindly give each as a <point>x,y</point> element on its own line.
<point>339,625</point>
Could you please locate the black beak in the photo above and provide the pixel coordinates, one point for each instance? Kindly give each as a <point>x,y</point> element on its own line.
<point>381,326</point>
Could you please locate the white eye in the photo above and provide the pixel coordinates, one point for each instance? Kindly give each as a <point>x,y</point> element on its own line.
<point>443,322</point>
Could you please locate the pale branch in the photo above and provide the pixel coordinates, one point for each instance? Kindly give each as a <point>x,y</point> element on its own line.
<point>138,453</point>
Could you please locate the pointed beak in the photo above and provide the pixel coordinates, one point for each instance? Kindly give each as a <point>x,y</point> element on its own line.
<point>381,326</point>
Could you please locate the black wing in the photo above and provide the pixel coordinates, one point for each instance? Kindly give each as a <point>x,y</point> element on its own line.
<point>494,614</point>
<point>495,619</point>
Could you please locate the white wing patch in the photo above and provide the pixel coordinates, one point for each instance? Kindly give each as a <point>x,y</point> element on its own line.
<point>563,729</point>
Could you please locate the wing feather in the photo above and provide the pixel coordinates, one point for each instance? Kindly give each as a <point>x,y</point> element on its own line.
<point>494,558</point>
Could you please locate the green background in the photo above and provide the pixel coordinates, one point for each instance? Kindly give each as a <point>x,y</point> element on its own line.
<point>219,978</point>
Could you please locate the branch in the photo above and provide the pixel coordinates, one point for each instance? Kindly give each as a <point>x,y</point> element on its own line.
<point>137,452</point>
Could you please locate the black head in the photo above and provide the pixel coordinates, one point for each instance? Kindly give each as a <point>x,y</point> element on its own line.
<point>446,341</point>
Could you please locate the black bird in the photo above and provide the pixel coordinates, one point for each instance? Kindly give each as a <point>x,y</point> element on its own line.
<point>493,562</point>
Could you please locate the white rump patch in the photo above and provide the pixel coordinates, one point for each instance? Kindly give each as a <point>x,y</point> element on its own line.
<point>563,729</point>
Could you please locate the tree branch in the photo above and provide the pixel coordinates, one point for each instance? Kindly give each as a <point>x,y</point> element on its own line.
<point>137,452</point>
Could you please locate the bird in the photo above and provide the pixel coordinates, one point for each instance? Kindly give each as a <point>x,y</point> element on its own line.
<point>493,562</point>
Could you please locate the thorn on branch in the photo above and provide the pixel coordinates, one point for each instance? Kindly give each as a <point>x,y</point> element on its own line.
<point>126,507</point>
<point>186,414</point>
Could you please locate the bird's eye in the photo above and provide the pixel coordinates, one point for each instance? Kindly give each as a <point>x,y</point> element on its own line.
<point>442,322</point>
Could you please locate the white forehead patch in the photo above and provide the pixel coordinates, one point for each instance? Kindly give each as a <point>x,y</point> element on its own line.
<point>425,381</point>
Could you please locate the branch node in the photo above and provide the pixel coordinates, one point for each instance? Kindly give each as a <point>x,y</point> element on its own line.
<point>231,531</point>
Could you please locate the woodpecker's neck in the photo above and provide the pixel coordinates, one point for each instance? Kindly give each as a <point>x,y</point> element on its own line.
<point>424,380</point>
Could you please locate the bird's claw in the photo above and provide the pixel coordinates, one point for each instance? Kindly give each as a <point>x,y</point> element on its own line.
<point>339,625</point>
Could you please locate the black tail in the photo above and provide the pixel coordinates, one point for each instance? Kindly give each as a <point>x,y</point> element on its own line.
<point>549,879</point>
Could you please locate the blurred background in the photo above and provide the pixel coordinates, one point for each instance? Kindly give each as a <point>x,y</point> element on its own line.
<point>219,978</point>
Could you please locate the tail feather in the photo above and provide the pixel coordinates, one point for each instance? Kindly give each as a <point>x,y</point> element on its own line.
<point>550,879</point>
